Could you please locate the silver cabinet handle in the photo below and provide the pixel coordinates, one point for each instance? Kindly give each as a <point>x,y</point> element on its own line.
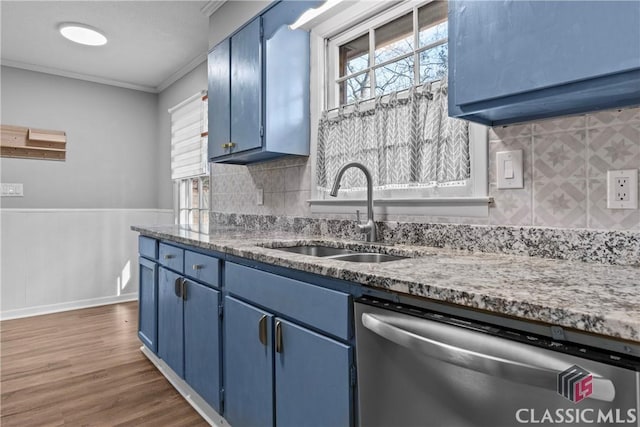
<point>497,357</point>
<point>262,329</point>
<point>278,337</point>
<point>177,287</point>
<point>196,267</point>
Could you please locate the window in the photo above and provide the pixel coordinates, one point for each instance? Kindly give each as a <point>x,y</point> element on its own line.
<point>193,203</point>
<point>385,57</point>
<point>189,163</point>
<point>385,105</point>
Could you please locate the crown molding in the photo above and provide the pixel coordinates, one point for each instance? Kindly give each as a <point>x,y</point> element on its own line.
<point>211,6</point>
<point>182,71</point>
<point>77,76</point>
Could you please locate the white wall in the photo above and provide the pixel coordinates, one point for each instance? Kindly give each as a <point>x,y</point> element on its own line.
<point>66,242</point>
<point>111,142</point>
<point>57,259</point>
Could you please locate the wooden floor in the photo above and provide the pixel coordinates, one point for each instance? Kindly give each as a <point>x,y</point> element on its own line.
<point>84,368</point>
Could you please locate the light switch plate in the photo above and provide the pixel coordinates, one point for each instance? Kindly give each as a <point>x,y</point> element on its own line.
<point>509,169</point>
<point>622,189</point>
<point>260,197</point>
<point>12,190</point>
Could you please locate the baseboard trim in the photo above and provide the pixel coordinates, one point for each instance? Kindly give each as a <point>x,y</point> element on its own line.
<point>209,414</point>
<point>65,306</point>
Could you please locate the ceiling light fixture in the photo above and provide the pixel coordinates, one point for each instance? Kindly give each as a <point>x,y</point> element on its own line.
<point>83,34</point>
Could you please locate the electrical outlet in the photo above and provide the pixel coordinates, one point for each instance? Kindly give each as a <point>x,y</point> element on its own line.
<point>622,189</point>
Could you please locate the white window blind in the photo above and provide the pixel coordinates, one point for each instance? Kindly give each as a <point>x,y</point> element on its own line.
<point>189,137</point>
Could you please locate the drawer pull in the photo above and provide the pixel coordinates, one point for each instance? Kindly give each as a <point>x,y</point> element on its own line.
<point>169,256</point>
<point>196,267</point>
<point>278,337</point>
<point>262,329</point>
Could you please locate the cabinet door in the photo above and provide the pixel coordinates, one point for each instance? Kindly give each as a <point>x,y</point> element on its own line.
<point>312,378</point>
<point>170,321</point>
<point>286,100</point>
<point>202,342</point>
<point>246,86</point>
<point>508,48</point>
<point>148,304</point>
<point>219,70</point>
<point>248,365</point>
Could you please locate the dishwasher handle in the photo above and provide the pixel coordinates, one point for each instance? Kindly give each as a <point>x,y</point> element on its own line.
<point>497,365</point>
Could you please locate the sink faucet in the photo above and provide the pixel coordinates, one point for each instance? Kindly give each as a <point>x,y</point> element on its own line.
<point>370,227</point>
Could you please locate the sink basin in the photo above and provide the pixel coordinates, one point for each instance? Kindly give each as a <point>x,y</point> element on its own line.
<point>320,251</point>
<point>368,257</point>
<point>341,254</point>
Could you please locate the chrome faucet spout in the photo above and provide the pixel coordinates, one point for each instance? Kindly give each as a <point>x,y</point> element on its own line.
<point>370,227</point>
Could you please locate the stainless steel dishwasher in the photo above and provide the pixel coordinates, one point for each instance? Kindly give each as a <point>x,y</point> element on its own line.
<point>421,368</point>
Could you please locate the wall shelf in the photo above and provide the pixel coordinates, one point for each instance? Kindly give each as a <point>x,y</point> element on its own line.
<point>27,143</point>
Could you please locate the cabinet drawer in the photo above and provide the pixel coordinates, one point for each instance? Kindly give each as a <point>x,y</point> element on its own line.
<point>201,267</point>
<point>148,247</point>
<point>171,257</point>
<point>319,307</point>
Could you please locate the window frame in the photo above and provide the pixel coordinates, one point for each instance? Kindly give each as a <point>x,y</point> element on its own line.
<point>325,39</point>
<point>183,214</point>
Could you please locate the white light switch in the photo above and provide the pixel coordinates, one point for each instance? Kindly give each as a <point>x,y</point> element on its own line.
<point>510,171</point>
<point>12,190</point>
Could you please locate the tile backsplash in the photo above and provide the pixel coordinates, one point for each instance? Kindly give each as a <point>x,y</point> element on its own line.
<point>565,168</point>
<point>566,163</point>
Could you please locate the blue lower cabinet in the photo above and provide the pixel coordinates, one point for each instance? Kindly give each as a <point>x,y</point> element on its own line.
<point>309,373</point>
<point>312,378</point>
<point>148,304</point>
<point>248,367</point>
<point>170,320</point>
<point>202,341</point>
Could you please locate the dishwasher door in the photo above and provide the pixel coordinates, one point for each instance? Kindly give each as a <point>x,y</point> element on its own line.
<point>425,369</point>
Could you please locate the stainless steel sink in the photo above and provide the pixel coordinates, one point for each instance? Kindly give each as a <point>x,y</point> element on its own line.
<point>368,257</point>
<point>319,251</point>
<point>341,254</point>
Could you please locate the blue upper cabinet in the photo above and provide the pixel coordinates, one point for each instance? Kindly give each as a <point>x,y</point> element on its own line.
<point>514,61</point>
<point>259,89</point>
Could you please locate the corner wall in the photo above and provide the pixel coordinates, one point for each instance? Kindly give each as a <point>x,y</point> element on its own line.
<point>67,243</point>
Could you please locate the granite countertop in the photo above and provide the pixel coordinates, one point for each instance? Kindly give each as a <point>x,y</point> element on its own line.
<point>595,298</point>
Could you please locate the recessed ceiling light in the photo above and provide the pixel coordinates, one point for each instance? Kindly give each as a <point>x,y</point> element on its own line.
<point>82,34</point>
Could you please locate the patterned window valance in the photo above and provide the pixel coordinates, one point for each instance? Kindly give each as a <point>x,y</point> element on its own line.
<point>405,141</point>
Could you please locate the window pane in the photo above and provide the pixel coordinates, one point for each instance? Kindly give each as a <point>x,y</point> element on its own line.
<point>432,20</point>
<point>184,216</point>
<point>194,216</point>
<point>195,194</point>
<point>204,221</point>
<point>395,76</point>
<point>205,193</point>
<point>433,63</point>
<point>183,200</point>
<point>354,56</point>
<point>394,39</point>
<point>355,88</point>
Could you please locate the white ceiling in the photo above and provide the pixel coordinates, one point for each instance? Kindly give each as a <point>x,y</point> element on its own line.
<point>151,43</point>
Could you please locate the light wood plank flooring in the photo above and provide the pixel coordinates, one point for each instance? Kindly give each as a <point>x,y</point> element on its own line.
<point>84,368</point>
